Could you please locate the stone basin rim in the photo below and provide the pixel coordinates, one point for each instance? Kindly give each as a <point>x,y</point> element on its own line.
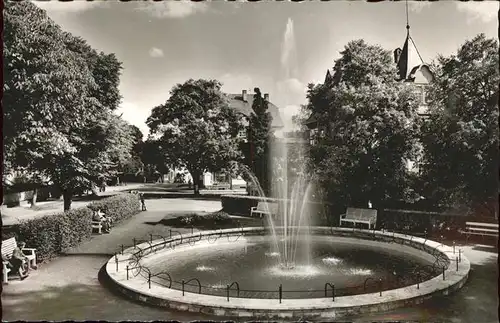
<point>137,287</point>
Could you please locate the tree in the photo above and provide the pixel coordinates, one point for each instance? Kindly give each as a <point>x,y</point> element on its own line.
<point>367,126</point>
<point>460,138</point>
<point>155,158</point>
<point>198,127</point>
<point>260,136</point>
<point>58,123</point>
<point>134,164</point>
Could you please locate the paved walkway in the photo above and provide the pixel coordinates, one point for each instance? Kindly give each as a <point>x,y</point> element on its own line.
<point>68,288</point>
<point>14,215</point>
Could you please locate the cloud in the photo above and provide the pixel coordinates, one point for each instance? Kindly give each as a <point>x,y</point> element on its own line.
<point>291,93</point>
<point>69,7</point>
<point>417,6</point>
<point>484,11</point>
<point>172,9</point>
<point>155,52</point>
<point>133,114</point>
<point>235,83</point>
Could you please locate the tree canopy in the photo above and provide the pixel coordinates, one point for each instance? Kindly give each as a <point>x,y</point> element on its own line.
<point>59,97</point>
<point>198,127</point>
<point>259,138</point>
<point>367,126</point>
<point>460,137</point>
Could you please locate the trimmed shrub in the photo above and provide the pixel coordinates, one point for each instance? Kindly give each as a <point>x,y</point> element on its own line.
<point>56,233</point>
<point>119,207</point>
<point>242,204</point>
<point>75,227</point>
<point>42,234</point>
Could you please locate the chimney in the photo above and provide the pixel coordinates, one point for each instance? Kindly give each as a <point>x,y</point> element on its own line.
<point>266,97</point>
<point>244,95</point>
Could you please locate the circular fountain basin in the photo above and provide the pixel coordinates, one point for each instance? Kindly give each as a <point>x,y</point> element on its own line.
<point>341,257</point>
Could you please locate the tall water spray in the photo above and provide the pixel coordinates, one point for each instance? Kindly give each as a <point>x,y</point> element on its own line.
<point>288,59</point>
<point>289,229</point>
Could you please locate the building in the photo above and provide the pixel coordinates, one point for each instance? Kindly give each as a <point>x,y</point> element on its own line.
<point>242,103</point>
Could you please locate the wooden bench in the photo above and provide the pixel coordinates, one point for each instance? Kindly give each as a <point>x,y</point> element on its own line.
<point>480,228</point>
<point>354,216</point>
<point>97,225</point>
<point>8,247</point>
<point>264,208</point>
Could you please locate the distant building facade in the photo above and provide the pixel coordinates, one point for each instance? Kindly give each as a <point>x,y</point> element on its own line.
<point>242,104</point>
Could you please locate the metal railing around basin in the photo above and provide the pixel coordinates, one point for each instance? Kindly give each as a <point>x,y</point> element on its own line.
<point>155,243</point>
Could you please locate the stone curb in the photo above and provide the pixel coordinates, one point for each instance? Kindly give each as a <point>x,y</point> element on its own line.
<point>137,287</point>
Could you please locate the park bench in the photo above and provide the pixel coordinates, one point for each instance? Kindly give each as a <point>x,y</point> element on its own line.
<point>355,216</point>
<point>480,228</point>
<point>8,247</point>
<point>97,225</point>
<point>264,208</point>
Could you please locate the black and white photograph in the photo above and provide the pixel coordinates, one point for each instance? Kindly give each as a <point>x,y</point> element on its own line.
<point>243,161</point>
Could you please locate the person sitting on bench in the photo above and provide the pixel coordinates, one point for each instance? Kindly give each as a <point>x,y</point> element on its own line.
<point>19,261</point>
<point>105,221</point>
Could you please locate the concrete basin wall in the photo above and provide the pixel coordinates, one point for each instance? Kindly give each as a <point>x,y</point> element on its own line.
<point>138,288</point>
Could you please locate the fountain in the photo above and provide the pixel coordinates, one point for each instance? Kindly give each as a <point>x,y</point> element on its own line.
<point>289,229</point>
<point>289,268</point>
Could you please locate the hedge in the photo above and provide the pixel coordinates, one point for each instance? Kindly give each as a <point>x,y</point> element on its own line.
<point>120,207</point>
<point>54,234</point>
<point>242,204</point>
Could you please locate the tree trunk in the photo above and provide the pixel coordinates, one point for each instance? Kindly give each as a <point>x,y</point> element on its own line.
<point>67,196</point>
<point>196,181</point>
<point>33,200</point>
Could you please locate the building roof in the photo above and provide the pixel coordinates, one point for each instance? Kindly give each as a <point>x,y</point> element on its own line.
<point>245,107</point>
<point>410,64</point>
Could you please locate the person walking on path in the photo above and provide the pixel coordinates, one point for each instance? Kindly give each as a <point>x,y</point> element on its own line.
<point>143,203</point>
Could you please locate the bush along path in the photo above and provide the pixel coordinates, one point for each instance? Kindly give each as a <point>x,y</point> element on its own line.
<point>54,234</point>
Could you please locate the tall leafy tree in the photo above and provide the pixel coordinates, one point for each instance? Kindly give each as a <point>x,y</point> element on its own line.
<point>156,158</point>
<point>259,137</point>
<point>460,138</point>
<point>198,127</point>
<point>58,123</point>
<point>367,128</point>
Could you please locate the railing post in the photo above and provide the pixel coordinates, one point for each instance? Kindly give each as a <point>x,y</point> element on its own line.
<point>227,292</point>
<point>380,285</point>
<point>149,279</point>
<point>443,274</point>
<point>122,249</point>
<point>116,261</point>
<point>460,255</point>
<point>183,287</point>
<point>456,258</point>
<point>151,238</point>
<point>127,272</point>
<point>453,247</point>
<point>333,293</point>
<point>192,230</point>
<point>280,292</point>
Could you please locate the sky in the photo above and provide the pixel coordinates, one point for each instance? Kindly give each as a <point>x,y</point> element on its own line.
<point>279,47</point>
